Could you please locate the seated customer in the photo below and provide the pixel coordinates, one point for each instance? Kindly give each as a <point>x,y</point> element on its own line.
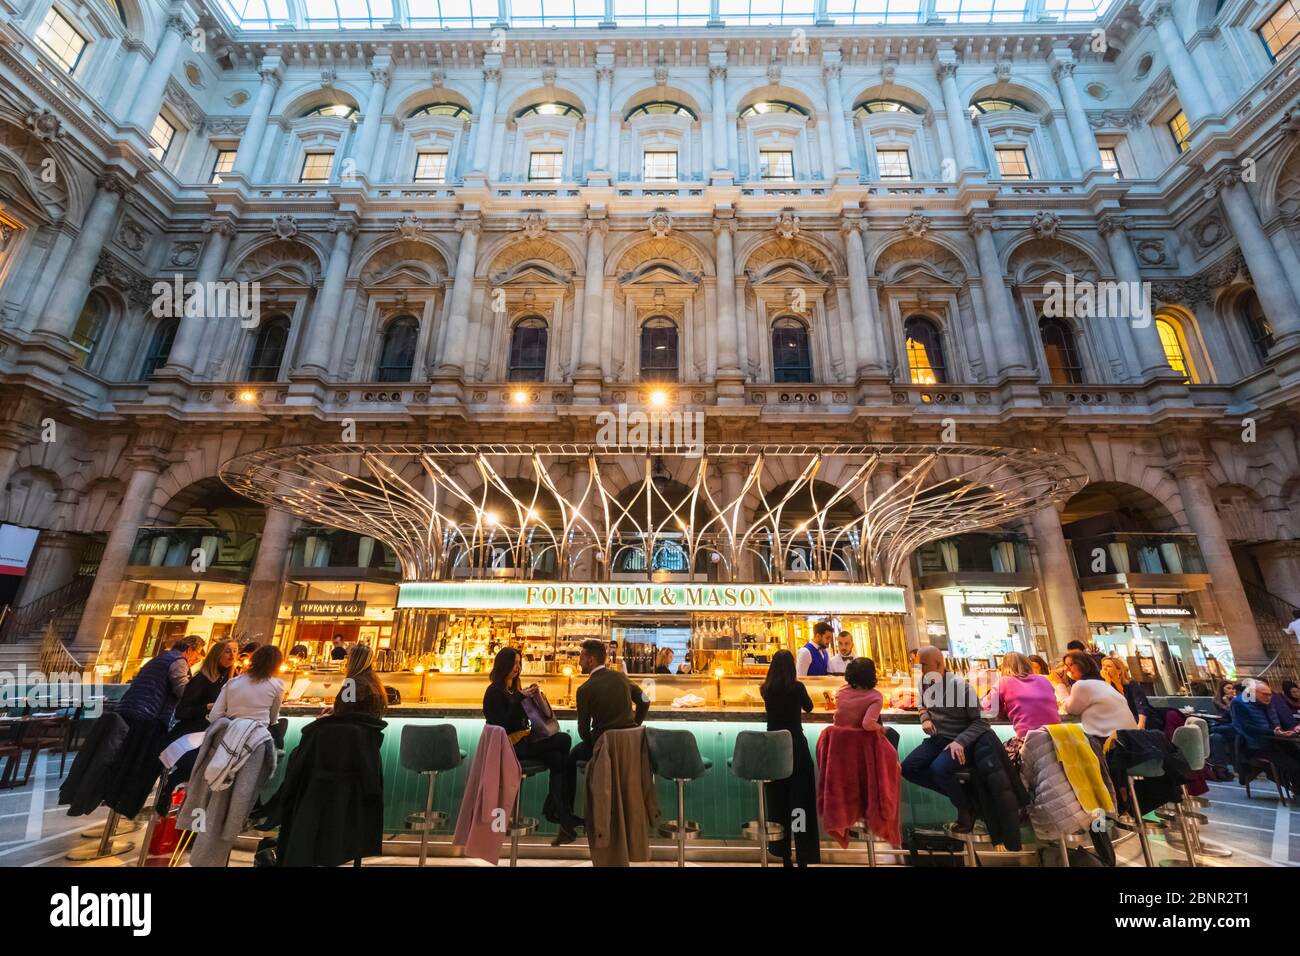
<point>1101,709</point>
<point>203,689</point>
<point>952,721</point>
<point>362,692</point>
<point>664,661</point>
<point>1026,699</point>
<point>607,700</point>
<point>1255,722</point>
<point>256,693</point>
<point>1285,705</point>
<point>858,703</point>
<point>503,706</point>
<point>1115,673</point>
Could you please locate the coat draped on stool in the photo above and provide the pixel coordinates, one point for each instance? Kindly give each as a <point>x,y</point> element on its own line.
<point>859,780</point>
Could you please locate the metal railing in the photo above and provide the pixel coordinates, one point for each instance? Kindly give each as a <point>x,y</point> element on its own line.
<point>40,612</point>
<point>1271,616</point>
<point>55,656</point>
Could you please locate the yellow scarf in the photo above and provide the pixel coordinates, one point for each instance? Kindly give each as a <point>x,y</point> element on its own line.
<point>1082,768</point>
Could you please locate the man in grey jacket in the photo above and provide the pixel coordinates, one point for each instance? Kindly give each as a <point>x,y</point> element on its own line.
<point>952,721</point>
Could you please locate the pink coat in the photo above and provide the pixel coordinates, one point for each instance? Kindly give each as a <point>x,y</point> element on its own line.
<point>860,780</point>
<point>490,791</point>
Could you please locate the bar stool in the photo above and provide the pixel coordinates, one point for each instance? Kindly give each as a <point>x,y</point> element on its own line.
<point>428,749</point>
<point>675,756</point>
<point>762,757</point>
<point>1189,742</point>
<point>1147,770</point>
<point>1196,819</point>
<point>521,825</point>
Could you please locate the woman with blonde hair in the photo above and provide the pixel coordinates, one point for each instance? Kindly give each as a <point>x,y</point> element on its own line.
<point>1115,672</point>
<point>664,661</point>
<point>204,688</point>
<point>1026,699</point>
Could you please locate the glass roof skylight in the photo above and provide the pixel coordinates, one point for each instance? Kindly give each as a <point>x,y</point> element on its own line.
<point>524,14</point>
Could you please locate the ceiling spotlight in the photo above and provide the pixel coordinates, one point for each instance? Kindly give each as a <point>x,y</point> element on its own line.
<point>490,518</point>
<point>519,396</point>
<point>247,396</point>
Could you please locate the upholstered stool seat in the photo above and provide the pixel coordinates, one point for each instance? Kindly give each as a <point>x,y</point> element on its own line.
<point>675,756</point>
<point>428,749</point>
<point>762,757</point>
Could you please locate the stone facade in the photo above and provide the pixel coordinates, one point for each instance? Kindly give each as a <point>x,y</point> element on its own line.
<point>101,433</point>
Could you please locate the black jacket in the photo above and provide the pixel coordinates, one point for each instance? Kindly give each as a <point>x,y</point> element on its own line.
<point>996,789</point>
<point>331,804</point>
<point>84,787</point>
<point>1133,747</point>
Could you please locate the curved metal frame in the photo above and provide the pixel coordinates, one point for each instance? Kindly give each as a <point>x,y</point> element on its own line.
<point>901,496</point>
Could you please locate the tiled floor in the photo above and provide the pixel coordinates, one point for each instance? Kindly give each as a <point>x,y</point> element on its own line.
<point>34,831</point>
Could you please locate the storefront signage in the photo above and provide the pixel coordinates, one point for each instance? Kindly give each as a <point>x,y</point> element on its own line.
<point>16,546</point>
<point>168,608</point>
<point>1175,612</point>
<point>329,608</point>
<point>827,599</point>
<point>991,610</point>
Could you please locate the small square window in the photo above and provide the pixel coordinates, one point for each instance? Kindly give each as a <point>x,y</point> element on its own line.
<point>894,164</point>
<point>430,167</point>
<point>659,167</point>
<point>1110,161</point>
<point>162,135</point>
<point>224,164</point>
<point>1181,131</point>
<point>316,168</point>
<point>545,166</point>
<point>1013,163</point>
<point>61,39</point>
<point>1281,31</point>
<point>776,164</point>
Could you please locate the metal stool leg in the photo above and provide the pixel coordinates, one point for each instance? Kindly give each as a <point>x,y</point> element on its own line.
<point>1141,825</point>
<point>762,826</point>
<point>681,822</point>
<point>514,830</point>
<point>1065,853</point>
<point>871,848</point>
<point>428,816</point>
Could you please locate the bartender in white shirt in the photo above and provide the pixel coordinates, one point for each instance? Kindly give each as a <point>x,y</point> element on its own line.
<point>840,661</point>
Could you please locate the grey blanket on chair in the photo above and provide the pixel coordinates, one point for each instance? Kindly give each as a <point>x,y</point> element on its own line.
<point>218,817</point>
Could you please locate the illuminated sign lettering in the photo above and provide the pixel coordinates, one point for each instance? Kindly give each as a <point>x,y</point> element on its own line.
<point>168,608</point>
<point>329,608</point>
<point>825,599</point>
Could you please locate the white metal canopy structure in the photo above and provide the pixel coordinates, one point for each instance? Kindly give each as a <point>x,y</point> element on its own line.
<point>733,513</point>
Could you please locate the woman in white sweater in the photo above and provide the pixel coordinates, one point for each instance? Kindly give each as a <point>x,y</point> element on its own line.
<point>256,693</point>
<point>1101,709</point>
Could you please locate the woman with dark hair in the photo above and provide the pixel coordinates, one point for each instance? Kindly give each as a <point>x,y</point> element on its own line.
<point>362,692</point>
<point>257,692</point>
<point>1101,709</point>
<point>858,703</point>
<point>794,798</point>
<point>203,689</point>
<point>503,706</point>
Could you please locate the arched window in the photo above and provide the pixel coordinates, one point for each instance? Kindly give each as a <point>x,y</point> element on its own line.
<point>1063,365</point>
<point>160,347</point>
<point>884,106</point>
<point>341,110</point>
<point>439,109</point>
<point>550,109</point>
<point>925,361</point>
<point>89,328</point>
<point>1001,106</point>
<point>662,108</point>
<point>772,106</point>
<point>659,350</point>
<point>1258,327</point>
<point>1172,341</point>
<point>397,355</point>
<point>268,350</point>
<point>791,354</point>
<point>528,350</point>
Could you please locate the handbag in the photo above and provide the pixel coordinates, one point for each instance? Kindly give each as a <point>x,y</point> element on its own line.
<point>540,716</point>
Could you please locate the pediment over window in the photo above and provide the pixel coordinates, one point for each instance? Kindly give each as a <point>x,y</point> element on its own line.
<point>405,263</point>
<point>532,260</point>
<point>658,274</point>
<point>284,262</point>
<point>788,273</point>
<point>1044,260</point>
<point>919,262</point>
